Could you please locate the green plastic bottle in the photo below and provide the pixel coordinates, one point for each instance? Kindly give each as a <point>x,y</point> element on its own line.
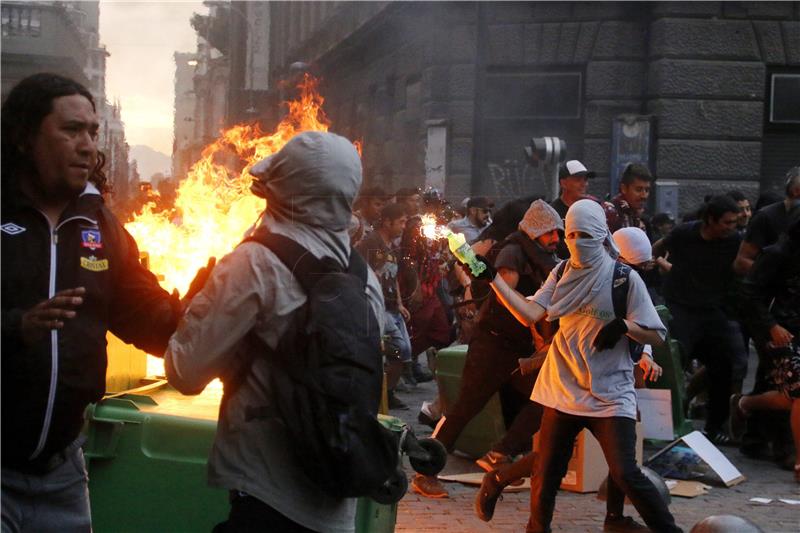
<point>464,253</point>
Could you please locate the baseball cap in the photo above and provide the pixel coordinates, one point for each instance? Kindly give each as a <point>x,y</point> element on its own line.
<point>573,167</point>
<point>481,202</point>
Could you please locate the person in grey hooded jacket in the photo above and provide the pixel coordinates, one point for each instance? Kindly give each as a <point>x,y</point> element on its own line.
<point>309,186</point>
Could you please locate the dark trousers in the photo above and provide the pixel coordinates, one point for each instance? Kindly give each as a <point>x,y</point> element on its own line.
<point>717,343</point>
<point>251,515</point>
<point>617,438</point>
<point>519,434</point>
<point>490,365</point>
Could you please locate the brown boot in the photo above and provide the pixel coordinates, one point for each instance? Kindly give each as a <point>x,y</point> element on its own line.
<point>429,486</point>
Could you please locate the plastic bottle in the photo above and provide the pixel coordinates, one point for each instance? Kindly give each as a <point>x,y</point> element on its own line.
<point>464,253</point>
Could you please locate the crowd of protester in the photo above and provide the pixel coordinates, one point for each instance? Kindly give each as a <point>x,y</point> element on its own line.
<point>562,282</point>
<point>727,273</point>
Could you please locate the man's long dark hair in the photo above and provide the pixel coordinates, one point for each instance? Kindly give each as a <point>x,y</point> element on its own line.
<point>26,106</point>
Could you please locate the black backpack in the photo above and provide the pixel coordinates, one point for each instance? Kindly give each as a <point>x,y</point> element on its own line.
<point>619,298</point>
<point>326,378</point>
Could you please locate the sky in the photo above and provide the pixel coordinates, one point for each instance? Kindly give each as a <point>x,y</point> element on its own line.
<point>141,37</point>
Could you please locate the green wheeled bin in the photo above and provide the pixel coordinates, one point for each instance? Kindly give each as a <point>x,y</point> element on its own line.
<point>668,355</point>
<point>488,426</point>
<point>146,453</point>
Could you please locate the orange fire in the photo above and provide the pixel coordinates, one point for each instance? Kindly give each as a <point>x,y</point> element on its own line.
<point>432,230</point>
<point>214,207</point>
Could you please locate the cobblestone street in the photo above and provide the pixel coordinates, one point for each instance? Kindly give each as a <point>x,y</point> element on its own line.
<point>584,512</point>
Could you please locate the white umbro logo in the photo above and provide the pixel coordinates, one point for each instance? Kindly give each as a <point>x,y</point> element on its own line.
<point>11,228</point>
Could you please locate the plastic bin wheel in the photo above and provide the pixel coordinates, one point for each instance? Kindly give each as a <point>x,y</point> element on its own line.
<point>393,489</point>
<point>432,462</point>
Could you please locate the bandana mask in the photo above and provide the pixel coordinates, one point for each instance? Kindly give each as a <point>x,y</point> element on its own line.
<point>585,252</point>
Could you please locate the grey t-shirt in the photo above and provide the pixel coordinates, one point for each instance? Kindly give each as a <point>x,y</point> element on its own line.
<point>577,379</point>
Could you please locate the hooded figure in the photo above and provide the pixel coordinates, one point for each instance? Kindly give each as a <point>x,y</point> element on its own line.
<point>587,380</point>
<point>309,186</point>
<point>634,246</point>
<point>576,377</point>
<point>540,218</point>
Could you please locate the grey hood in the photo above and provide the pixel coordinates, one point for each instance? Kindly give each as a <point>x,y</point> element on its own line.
<point>310,186</point>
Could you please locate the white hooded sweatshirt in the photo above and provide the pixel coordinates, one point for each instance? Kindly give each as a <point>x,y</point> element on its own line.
<point>309,185</point>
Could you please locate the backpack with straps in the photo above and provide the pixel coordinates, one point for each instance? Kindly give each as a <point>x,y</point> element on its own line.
<point>619,298</point>
<point>326,378</point>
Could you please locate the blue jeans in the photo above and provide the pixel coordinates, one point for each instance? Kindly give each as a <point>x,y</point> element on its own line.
<point>617,438</point>
<point>397,335</point>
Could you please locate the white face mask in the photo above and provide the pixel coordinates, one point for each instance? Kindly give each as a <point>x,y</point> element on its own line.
<point>584,252</point>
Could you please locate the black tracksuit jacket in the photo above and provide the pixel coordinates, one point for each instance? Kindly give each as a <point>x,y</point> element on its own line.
<point>46,387</point>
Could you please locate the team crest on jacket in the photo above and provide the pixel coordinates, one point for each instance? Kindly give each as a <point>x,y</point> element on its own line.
<point>94,264</point>
<point>91,239</point>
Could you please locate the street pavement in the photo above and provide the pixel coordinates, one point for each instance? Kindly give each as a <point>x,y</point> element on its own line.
<point>584,512</point>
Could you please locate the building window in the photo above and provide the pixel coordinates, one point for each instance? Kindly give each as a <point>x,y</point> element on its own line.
<point>784,99</point>
<point>534,95</point>
<point>22,21</point>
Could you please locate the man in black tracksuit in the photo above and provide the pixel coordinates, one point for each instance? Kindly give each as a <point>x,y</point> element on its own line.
<point>70,274</point>
<point>525,259</point>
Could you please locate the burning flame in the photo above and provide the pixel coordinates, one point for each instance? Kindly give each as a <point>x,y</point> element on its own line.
<point>430,229</point>
<point>214,207</point>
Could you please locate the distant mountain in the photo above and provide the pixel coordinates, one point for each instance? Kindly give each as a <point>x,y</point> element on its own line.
<point>150,161</point>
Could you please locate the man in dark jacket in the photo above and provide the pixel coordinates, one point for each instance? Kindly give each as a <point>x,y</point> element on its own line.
<point>70,273</point>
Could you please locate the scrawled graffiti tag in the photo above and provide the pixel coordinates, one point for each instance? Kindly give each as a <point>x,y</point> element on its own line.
<point>514,178</point>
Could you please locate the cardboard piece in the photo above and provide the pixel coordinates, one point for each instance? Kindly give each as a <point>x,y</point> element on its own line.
<point>655,408</point>
<point>475,478</point>
<point>686,489</point>
<point>587,468</point>
<point>694,456</point>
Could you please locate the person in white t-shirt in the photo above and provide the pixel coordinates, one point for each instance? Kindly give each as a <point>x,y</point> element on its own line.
<point>587,378</point>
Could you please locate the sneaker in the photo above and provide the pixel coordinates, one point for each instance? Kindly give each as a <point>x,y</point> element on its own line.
<point>485,501</point>
<point>422,375</point>
<point>428,486</point>
<point>738,417</point>
<point>424,418</point>
<point>717,437</point>
<point>401,386</point>
<point>492,459</point>
<point>622,524</point>
<point>395,402</point>
<point>408,375</point>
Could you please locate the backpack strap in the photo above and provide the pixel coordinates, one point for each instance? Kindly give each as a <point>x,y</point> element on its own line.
<point>304,266</point>
<point>560,268</point>
<point>358,267</point>
<point>619,289</point>
<point>619,299</point>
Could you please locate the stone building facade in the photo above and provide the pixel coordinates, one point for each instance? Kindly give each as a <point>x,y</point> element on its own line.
<point>492,75</point>
<point>64,38</point>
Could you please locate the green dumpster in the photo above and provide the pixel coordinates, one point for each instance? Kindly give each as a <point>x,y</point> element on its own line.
<point>668,355</point>
<point>146,453</point>
<point>488,426</point>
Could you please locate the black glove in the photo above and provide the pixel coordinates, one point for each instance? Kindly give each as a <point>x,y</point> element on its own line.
<point>610,334</point>
<point>487,275</point>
